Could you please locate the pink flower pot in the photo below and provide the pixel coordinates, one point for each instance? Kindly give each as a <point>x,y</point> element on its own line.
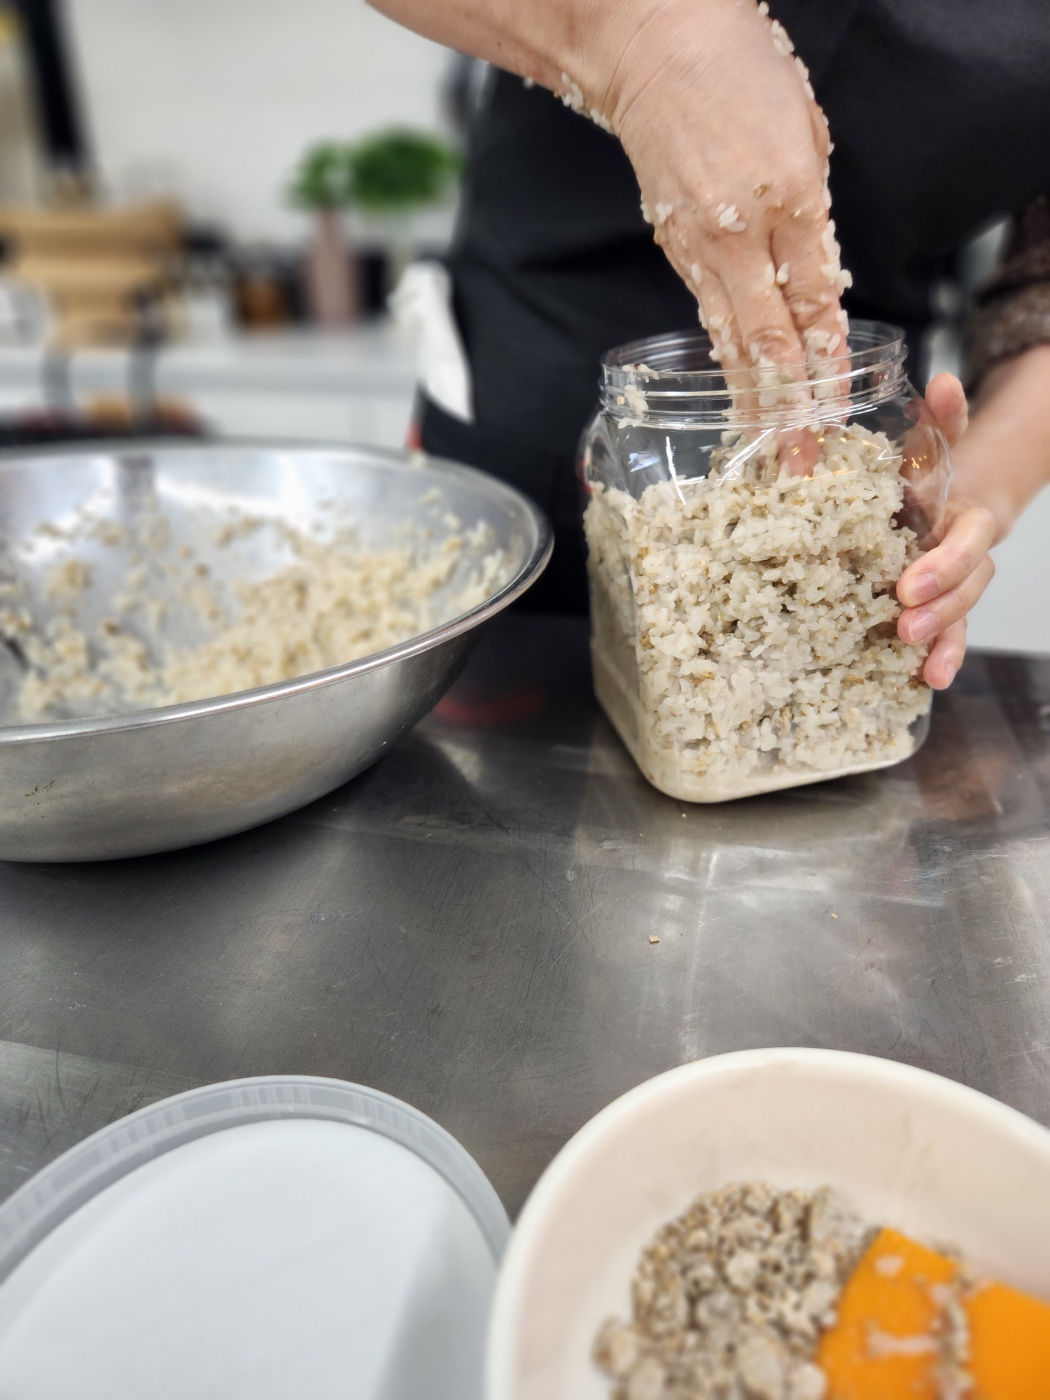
<point>332,275</point>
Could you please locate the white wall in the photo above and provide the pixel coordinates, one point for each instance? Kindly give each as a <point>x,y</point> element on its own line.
<point>214,100</point>
<point>1013,614</point>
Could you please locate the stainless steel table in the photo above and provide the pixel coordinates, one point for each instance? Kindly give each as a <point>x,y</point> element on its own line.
<point>468,925</point>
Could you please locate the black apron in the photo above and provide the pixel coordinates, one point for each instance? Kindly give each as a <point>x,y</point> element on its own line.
<point>940,114</point>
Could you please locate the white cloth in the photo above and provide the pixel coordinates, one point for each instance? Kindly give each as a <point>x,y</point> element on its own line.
<point>422,303</point>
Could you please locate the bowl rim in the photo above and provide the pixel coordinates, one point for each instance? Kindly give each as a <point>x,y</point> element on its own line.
<point>407,459</point>
<point>984,1110</point>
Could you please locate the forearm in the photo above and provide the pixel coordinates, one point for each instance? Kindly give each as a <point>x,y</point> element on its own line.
<point>545,40</point>
<point>1003,460</point>
<point>580,49</point>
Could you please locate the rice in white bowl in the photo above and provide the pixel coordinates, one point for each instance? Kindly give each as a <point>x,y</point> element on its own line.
<point>744,632</point>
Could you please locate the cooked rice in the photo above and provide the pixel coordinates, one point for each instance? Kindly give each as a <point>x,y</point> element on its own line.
<point>730,1298</point>
<point>335,602</point>
<point>743,632</point>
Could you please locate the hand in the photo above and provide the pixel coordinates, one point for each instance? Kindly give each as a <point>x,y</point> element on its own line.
<point>729,146</point>
<point>731,152</point>
<point>939,589</point>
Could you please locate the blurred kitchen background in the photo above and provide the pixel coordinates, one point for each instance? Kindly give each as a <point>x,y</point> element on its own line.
<point>176,198</point>
<point>204,206</point>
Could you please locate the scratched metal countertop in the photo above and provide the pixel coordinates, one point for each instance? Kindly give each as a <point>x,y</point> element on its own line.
<point>468,924</point>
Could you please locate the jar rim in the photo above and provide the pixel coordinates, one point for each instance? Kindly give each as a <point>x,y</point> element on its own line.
<point>674,376</point>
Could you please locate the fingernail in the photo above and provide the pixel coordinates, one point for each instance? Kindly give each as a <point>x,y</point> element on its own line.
<point>921,589</point>
<point>922,625</point>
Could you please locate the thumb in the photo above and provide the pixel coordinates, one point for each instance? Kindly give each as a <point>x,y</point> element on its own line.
<point>946,400</point>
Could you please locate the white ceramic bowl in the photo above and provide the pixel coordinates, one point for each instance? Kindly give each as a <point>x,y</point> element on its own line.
<point>908,1148</point>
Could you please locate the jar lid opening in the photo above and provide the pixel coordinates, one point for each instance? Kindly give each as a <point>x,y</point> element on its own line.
<point>675,378</point>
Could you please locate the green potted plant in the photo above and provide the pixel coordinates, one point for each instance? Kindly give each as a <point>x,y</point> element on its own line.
<point>400,170</point>
<point>323,184</point>
<point>394,174</point>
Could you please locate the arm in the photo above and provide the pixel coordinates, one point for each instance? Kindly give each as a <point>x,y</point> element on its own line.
<point>1003,461</point>
<point>719,122</point>
<point>1002,456</point>
<point>537,41</point>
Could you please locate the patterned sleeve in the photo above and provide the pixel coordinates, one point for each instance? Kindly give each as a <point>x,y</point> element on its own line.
<point>1013,308</point>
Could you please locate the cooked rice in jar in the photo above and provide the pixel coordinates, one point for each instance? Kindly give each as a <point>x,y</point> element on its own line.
<point>744,632</point>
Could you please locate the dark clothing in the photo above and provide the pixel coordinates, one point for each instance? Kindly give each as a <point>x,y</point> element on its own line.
<point>940,114</point>
<point>548,478</point>
<point>1013,309</point>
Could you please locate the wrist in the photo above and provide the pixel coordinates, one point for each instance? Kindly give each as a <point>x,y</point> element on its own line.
<point>589,62</point>
<point>1002,506</point>
<point>625,47</point>
<point>1003,459</point>
<point>1022,380</point>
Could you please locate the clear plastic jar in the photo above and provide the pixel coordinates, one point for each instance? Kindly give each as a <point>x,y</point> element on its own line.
<point>743,554</point>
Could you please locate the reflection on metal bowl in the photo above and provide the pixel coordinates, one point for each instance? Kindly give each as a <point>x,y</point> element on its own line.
<point>159,779</point>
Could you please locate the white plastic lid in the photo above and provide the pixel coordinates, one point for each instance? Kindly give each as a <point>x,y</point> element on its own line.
<point>264,1238</point>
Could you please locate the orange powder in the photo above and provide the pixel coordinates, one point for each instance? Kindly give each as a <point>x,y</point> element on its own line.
<point>885,1344</point>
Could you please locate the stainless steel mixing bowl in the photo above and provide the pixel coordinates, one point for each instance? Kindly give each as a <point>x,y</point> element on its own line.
<point>92,789</point>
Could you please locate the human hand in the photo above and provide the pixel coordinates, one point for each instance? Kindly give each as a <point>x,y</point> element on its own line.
<point>940,588</point>
<point>728,143</point>
<point>731,151</point>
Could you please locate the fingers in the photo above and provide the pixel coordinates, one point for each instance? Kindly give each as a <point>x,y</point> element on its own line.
<point>801,322</point>
<point>722,180</point>
<point>797,448</point>
<point>716,311</point>
<point>970,533</point>
<point>940,589</point>
<point>946,656</point>
<point>797,451</point>
<point>716,317</point>
<point>946,400</point>
<point>767,328</point>
<point>943,411</point>
<point>806,253</point>
<point>921,624</point>
<point>742,306</point>
<point>772,253</point>
<point>779,280</point>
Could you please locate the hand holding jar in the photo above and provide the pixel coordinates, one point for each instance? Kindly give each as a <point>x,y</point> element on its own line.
<point>939,589</point>
<point>746,635</point>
